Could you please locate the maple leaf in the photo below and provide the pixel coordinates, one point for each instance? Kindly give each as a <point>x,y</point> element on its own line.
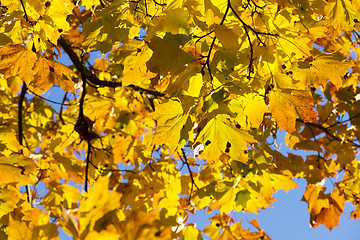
<point>16,60</point>
<point>220,135</point>
<point>47,73</point>
<point>172,124</point>
<point>286,106</point>
<point>341,13</point>
<point>97,208</point>
<point>10,197</point>
<point>329,67</point>
<point>330,216</point>
<point>19,230</point>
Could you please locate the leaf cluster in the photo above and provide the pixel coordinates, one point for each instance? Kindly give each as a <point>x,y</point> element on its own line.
<point>168,107</point>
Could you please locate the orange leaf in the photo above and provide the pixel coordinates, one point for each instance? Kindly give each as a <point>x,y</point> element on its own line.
<point>48,72</point>
<point>330,216</point>
<point>316,199</point>
<point>288,105</point>
<point>255,223</point>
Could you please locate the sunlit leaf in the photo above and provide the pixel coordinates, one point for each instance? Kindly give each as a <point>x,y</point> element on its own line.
<point>220,135</point>
<point>173,124</point>
<point>16,60</point>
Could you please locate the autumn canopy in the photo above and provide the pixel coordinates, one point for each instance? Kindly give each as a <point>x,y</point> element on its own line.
<point>169,106</point>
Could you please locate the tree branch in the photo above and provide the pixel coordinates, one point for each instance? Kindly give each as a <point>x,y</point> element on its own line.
<point>93,79</point>
<point>20,116</point>
<point>207,63</point>
<point>62,108</point>
<point>25,14</point>
<point>327,132</point>
<point>87,165</point>
<point>24,89</point>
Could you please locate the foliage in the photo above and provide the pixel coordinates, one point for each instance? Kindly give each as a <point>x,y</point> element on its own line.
<point>181,112</point>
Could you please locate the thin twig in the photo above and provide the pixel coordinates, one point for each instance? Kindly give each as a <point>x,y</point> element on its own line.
<point>207,63</point>
<point>185,161</point>
<point>160,4</point>
<point>344,121</point>
<point>48,100</point>
<point>327,132</point>
<point>62,107</point>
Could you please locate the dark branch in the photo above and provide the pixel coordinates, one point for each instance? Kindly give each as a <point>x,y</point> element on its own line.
<point>327,132</point>
<point>93,79</point>
<point>81,127</point>
<point>25,14</point>
<point>20,130</point>
<point>62,108</point>
<point>87,165</point>
<point>20,112</point>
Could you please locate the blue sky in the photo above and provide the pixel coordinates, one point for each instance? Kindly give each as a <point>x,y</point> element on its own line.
<point>289,219</point>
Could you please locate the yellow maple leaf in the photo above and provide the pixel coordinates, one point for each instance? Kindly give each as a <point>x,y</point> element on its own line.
<point>98,207</point>
<point>341,14</point>
<point>280,181</point>
<point>16,168</point>
<point>172,124</point>
<point>191,233</point>
<point>88,4</point>
<point>9,197</point>
<point>251,105</point>
<point>18,230</point>
<point>34,224</point>
<point>329,67</point>
<point>221,136</point>
<point>316,199</point>
<point>16,60</point>
<point>58,11</point>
